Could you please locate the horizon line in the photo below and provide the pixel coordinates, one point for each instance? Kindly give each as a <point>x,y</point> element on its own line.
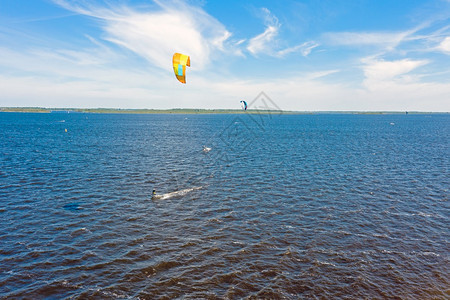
<point>32,109</point>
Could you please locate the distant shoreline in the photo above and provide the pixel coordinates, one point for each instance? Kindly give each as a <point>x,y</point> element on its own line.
<point>194,111</point>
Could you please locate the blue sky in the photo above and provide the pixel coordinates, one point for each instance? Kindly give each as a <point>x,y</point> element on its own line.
<point>329,55</point>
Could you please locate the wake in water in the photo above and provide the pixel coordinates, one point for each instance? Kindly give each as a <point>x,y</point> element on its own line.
<point>179,193</point>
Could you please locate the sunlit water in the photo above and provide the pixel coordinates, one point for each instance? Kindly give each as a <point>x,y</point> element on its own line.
<point>283,206</point>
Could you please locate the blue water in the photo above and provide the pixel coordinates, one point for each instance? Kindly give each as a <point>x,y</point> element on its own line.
<point>288,206</point>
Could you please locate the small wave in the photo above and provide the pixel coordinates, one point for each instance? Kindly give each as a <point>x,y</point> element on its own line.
<point>323,263</point>
<point>288,226</point>
<point>424,214</point>
<point>215,220</point>
<point>426,253</point>
<point>190,244</point>
<point>80,231</point>
<point>430,254</point>
<point>343,232</point>
<point>211,251</point>
<point>380,235</point>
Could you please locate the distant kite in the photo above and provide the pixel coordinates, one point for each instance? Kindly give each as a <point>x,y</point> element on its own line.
<point>180,61</point>
<point>244,105</point>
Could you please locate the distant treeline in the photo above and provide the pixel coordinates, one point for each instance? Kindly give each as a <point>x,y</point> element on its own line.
<point>134,111</point>
<point>187,111</point>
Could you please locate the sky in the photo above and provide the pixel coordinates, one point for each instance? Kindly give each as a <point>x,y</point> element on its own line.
<point>329,55</point>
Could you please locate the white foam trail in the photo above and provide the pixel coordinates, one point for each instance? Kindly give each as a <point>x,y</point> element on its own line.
<point>179,193</point>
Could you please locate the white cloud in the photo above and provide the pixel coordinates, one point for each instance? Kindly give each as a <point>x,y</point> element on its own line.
<point>388,70</point>
<point>444,46</point>
<point>391,86</point>
<point>156,35</point>
<point>264,42</point>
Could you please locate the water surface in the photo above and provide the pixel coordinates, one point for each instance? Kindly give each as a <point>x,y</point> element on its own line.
<point>290,206</point>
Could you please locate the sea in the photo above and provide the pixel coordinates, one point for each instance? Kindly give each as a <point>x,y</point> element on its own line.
<point>282,206</point>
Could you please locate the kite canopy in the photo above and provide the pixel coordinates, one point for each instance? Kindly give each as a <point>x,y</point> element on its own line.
<point>244,105</point>
<point>180,61</point>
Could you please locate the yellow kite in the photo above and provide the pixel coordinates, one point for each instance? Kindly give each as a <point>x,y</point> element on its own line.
<point>180,61</point>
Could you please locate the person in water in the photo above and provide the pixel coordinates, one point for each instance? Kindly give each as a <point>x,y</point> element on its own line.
<point>153,193</point>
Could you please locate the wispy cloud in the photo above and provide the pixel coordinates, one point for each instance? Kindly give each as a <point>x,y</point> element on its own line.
<point>268,42</point>
<point>305,49</point>
<point>264,42</point>
<point>422,38</point>
<point>320,74</point>
<point>156,34</point>
<point>382,39</point>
